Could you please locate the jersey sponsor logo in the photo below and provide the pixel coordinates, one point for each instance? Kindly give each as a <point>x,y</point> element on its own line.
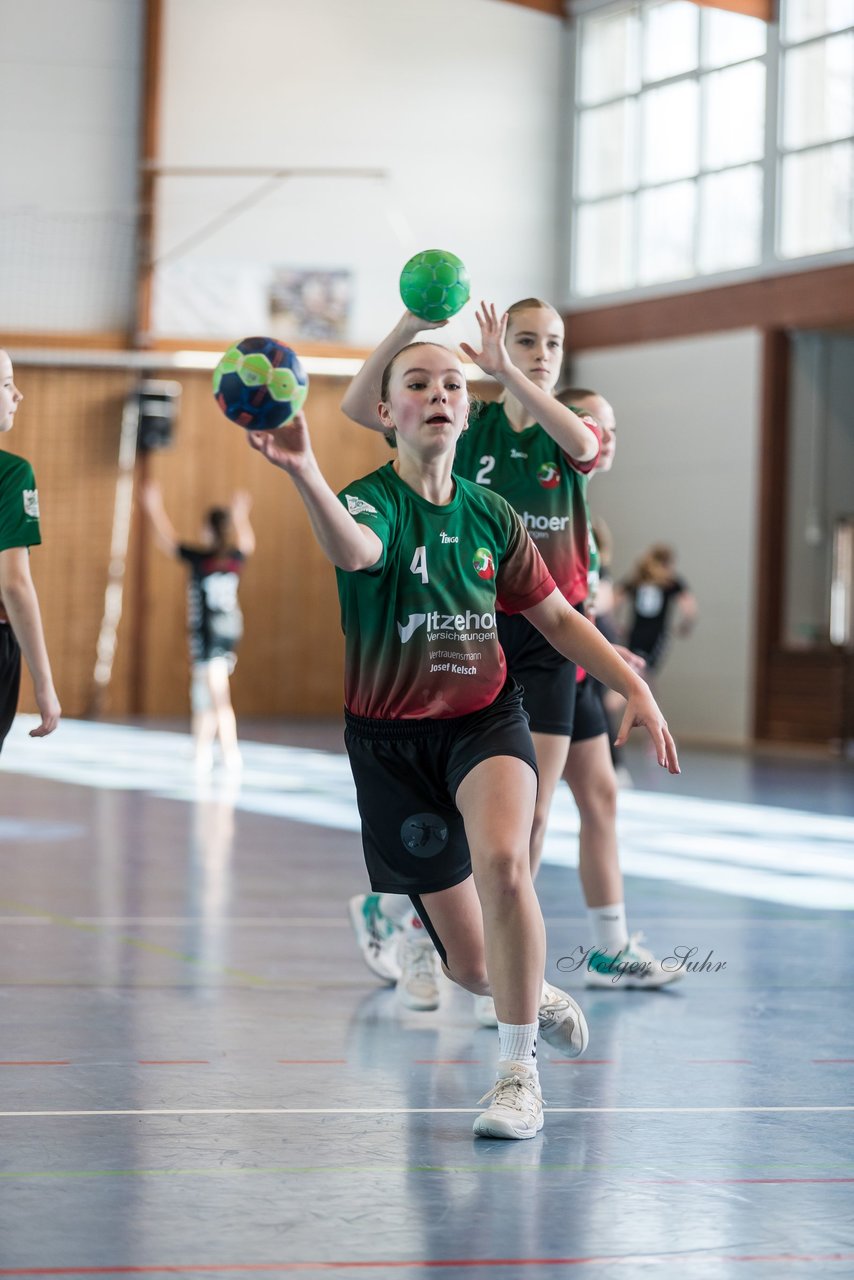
<point>548,475</point>
<point>446,537</point>
<point>484,565</point>
<point>544,524</point>
<point>358,506</point>
<point>408,629</point>
<point>459,623</point>
<point>517,453</point>
<point>31,503</point>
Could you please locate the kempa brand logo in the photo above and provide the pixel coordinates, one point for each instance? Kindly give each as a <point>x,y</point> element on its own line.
<point>358,506</point>
<point>446,537</point>
<point>517,453</point>
<point>543,523</point>
<point>436,621</point>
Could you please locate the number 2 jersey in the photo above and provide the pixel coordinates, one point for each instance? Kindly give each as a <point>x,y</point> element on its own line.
<point>420,634</point>
<point>540,481</point>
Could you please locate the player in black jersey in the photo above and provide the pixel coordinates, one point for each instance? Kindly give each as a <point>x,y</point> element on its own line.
<point>214,619</point>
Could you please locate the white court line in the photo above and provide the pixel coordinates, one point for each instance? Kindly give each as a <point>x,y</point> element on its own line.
<point>404,1111</point>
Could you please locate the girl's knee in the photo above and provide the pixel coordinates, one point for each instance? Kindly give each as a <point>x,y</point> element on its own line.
<point>598,803</point>
<point>505,872</point>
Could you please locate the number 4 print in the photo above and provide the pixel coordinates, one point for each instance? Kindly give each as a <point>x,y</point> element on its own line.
<point>419,564</point>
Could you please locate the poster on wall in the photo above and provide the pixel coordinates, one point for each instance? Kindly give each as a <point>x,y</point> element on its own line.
<point>310,304</point>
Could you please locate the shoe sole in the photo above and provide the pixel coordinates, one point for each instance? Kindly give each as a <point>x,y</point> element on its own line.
<point>418,1006</point>
<point>494,1127</point>
<point>579,1022</point>
<point>357,920</point>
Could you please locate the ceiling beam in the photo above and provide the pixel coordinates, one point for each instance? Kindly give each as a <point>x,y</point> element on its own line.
<point>554,7</point>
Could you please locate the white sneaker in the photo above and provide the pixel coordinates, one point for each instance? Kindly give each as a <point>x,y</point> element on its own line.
<point>516,1109</point>
<point>484,1012</point>
<point>634,967</point>
<point>562,1024</point>
<point>418,984</point>
<point>377,936</point>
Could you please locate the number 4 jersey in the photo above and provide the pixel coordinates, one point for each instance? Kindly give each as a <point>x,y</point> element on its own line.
<point>420,631</point>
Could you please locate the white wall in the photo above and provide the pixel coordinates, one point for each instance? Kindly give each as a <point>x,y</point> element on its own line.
<point>686,473</point>
<point>69,111</point>
<point>457,100</point>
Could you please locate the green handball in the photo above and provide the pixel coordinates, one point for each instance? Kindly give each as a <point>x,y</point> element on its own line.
<point>434,285</point>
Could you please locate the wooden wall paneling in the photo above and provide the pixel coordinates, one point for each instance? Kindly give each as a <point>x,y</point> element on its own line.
<point>290,659</point>
<point>806,693</point>
<point>69,429</point>
<point>803,300</point>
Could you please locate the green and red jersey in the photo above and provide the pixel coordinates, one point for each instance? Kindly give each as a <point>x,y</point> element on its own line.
<point>421,639</point>
<point>545,486</point>
<point>19,507</point>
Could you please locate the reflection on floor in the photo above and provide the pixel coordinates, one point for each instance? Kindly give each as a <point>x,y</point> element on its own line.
<point>198,1076</point>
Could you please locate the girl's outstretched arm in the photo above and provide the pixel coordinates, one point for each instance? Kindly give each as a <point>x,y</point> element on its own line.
<point>244,535</point>
<point>570,432</point>
<point>349,546</point>
<point>164,531</point>
<point>363,394</point>
<point>577,639</point>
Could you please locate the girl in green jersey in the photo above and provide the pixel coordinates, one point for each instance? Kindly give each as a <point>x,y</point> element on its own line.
<point>20,618</point>
<point>478,767</point>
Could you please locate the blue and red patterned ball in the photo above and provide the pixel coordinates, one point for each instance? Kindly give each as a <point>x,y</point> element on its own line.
<point>260,384</point>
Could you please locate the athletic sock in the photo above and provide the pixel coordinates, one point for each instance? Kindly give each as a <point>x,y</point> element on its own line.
<point>517,1042</point>
<point>608,925</point>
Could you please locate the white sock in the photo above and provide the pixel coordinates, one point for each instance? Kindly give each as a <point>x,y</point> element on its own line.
<point>608,926</point>
<point>518,1043</point>
<point>395,907</point>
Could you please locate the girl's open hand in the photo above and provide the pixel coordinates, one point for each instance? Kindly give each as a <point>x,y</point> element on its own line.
<point>492,358</point>
<point>288,447</point>
<point>642,710</point>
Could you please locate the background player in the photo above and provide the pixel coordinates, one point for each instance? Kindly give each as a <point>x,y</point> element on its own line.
<point>215,623</point>
<point>21,628</point>
<point>659,602</point>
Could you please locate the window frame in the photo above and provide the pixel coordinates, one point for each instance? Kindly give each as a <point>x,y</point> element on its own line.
<point>770,260</point>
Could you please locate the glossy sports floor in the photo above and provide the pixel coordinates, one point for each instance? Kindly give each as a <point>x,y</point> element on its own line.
<point>200,1077</point>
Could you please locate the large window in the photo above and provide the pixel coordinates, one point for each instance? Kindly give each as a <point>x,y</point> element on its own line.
<point>683,164</point>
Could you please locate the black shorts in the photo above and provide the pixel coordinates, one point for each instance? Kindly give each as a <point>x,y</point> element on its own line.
<point>10,679</point>
<point>407,773</point>
<point>591,719</point>
<point>552,696</point>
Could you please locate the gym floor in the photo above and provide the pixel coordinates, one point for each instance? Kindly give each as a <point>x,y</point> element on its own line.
<point>200,1077</point>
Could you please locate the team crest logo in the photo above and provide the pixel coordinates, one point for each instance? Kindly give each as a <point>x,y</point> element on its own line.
<point>31,503</point>
<point>548,475</point>
<point>484,565</point>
